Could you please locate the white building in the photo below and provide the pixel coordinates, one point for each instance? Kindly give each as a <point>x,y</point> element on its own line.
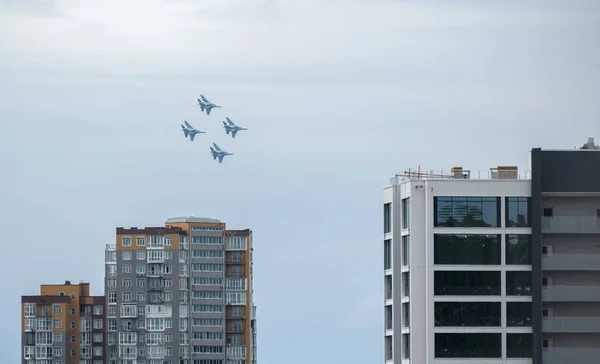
<point>457,267</point>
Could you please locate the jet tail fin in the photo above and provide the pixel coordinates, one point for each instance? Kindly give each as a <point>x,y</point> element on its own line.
<point>185,132</point>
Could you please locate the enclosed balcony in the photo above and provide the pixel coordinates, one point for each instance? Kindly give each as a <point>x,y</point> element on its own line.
<point>571,225</point>
<point>581,355</point>
<point>570,324</point>
<point>571,293</point>
<point>572,262</point>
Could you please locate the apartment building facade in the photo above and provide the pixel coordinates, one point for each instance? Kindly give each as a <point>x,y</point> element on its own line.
<point>64,324</point>
<point>181,294</point>
<point>495,267</point>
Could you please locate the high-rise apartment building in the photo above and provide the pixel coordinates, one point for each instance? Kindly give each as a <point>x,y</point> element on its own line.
<point>181,294</point>
<point>63,325</point>
<point>501,266</point>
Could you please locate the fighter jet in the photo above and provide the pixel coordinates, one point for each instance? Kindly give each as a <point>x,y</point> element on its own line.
<point>190,131</point>
<point>218,153</point>
<point>205,104</point>
<point>229,126</point>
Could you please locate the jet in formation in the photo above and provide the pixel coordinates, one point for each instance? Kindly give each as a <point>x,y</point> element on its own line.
<point>229,126</point>
<point>218,153</point>
<point>190,131</point>
<point>206,105</point>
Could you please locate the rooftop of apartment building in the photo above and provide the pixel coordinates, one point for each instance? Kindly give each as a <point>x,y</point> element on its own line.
<point>493,173</point>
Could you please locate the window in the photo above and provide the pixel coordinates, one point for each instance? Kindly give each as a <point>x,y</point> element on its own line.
<point>140,282</point>
<point>57,337</point>
<point>406,250</point>
<point>518,314</point>
<point>98,338</point>
<point>468,345</point>
<point>29,309</point>
<point>205,253</point>
<point>126,255</point>
<point>207,240</point>
<point>406,213</point>
<point>126,241</point>
<point>199,267</point>
<point>207,335</point>
<point>73,311</point>
<point>112,297</point>
<point>388,348</point>
<point>548,212</point>
<point>467,211</point>
<point>387,254</point>
<point>209,294</point>
<point>519,345</point>
<point>518,249</point>
<point>168,241</point>
<point>469,314</point>
<point>464,249</point>
<point>57,309</point>
<point>387,218</point>
<point>406,284</point>
<point>518,283</point>
<point>97,324</point>
<point>73,324</point>
<point>207,281</point>
<point>518,212</point>
<point>406,346</point>
<point>235,298</point>
<point>141,296</point>
<point>126,296</point>
<point>140,241</point>
<point>388,287</point>
<point>97,350</point>
<point>126,268</point>
<point>207,308</point>
<point>98,310</point>
<point>140,269</point>
<point>388,318</point>
<point>467,283</point>
<point>168,254</point>
<point>406,314</point>
<point>210,321</point>
<point>140,255</point>
<point>126,282</point>
<point>235,284</point>
<point>57,323</point>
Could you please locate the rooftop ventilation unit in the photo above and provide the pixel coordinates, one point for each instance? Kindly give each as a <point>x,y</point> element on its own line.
<point>504,172</point>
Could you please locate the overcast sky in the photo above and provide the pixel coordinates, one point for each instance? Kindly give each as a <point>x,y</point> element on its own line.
<point>338,96</point>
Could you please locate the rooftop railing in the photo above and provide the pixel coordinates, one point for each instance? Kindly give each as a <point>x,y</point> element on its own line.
<point>509,173</point>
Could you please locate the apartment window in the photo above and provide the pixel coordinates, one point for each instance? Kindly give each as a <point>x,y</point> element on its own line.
<point>207,240</point>
<point>73,324</point>
<point>57,309</point>
<point>126,268</point>
<point>98,338</point>
<point>57,352</point>
<point>209,294</point>
<point>112,297</point>
<point>387,254</point>
<point>126,241</point>
<point>387,218</point>
<point>140,241</point>
<point>126,296</point>
<point>467,283</point>
<point>97,324</point>
<point>388,318</point>
<point>97,350</point>
<point>468,345</point>
<point>406,314</point>
<point>112,311</point>
<point>199,267</point>
<point>98,310</point>
<point>140,268</point>
<point>57,337</point>
<point>518,283</point>
<point>406,250</point>
<point>406,213</point>
<point>467,211</point>
<point>406,346</point>
<point>126,282</point>
<point>389,354</point>
<point>29,309</point>
<point>140,282</point>
<point>518,314</point>
<point>207,308</point>
<point>126,255</point>
<point>169,296</point>
<point>518,212</point>
<point>406,284</point>
<point>467,249</point>
<point>518,249</point>
<point>519,345</point>
<point>168,241</point>
<point>57,323</point>
<point>73,339</point>
<point>204,253</point>
<point>141,296</point>
<point>548,212</point>
<point>469,314</point>
<point>140,255</point>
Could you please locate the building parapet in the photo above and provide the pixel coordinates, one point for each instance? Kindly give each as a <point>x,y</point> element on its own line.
<point>496,173</point>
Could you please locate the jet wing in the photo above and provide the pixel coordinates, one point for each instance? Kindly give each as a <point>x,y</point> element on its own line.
<point>188,125</point>
<point>230,122</point>
<point>192,135</point>
<point>233,133</point>
<point>208,109</point>
<point>217,147</point>
<point>204,99</point>
<point>221,158</point>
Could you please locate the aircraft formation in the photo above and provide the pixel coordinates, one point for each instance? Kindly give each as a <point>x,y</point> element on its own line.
<point>228,125</point>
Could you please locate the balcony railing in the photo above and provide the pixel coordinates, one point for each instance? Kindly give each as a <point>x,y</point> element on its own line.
<point>571,293</point>
<point>571,225</point>
<point>571,261</point>
<point>574,355</point>
<point>236,330</point>
<point>571,324</point>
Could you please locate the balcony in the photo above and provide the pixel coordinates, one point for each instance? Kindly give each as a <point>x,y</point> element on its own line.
<point>571,262</point>
<point>236,330</point>
<point>571,225</point>
<point>571,293</point>
<point>582,324</point>
<point>571,355</point>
